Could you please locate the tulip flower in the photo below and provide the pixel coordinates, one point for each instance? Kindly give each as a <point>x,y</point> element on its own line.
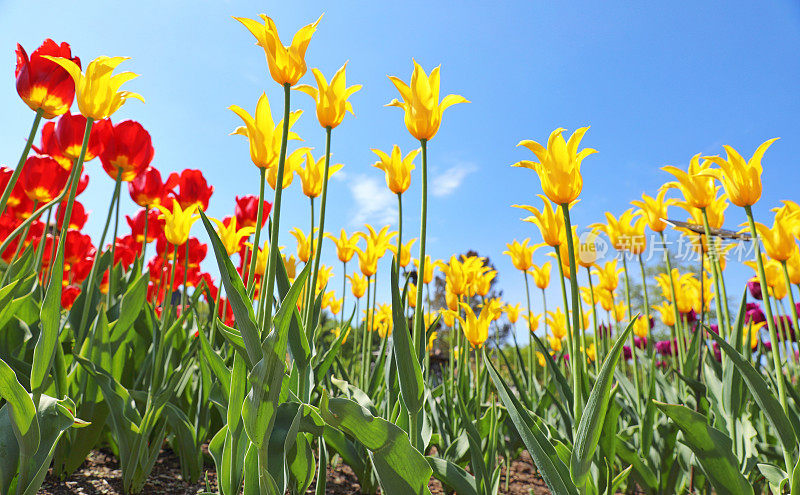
<point>178,222</point>
<point>262,132</point>
<point>345,246</point>
<point>412,295</point>
<point>49,146</point>
<point>778,240</point>
<point>541,275</point>
<point>43,178</point>
<point>476,327</point>
<point>230,235</point>
<point>42,83</point>
<point>405,252</point>
<point>381,240</point>
<point>287,64</point>
<point>431,340</point>
<point>533,321</point>
<point>742,179</point>
<point>304,247</point>
<point>521,254</point>
<point>192,189</point>
<point>97,90</point>
<point>78,218</point>
<point>654,210</point>
<point>697,187</point>
<point>483,283</point>
<point>550,221</point>
<point>559,165</point>
<point>512,312</point>
<point>323,276</point>
<point>456,276</point>
<point>641,327</point>
<point>293,162</point>
<point>247,211</point>
<point>331,100</point>
<point>155,225</point>
<point>623,232</point>
<point>128,150</point>
<point>368,259</point>
<point>397,168</point>
<point>557,322</point>
<point>69,132</point>
<point>311,175</point>
<point>427,275</point>
<point>147,189</point>
<point>667,313</point>
<point>358,285</point>
<point>423,111</point>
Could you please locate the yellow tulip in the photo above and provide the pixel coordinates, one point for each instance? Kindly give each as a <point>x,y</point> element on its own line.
<point>381,240</point>
<point>423,111</point>
<point>331,100</point>
<point>358,285</point>
<point>335,305</point>
<point>384,321</point>
<point>555,343</point>
<point>697,187</point>
<point>405,252</point>
<point>287,64</point>
<point>715,212</point>
<point>291,166</point>
<point>606,299</point>
<point>790,211</point>
<point>412,295</point>
<point>742,179</point>
<point>397,168</point>
<point>431,339</point>
<point>368,259</point>
<point>541,275</point>
<point>336,332</point>
<point>450,298</point>
<point>521,254</point>
<point>304,247</point>
<point>178,222</point>
<point>641,327</point>
<point>324,275</point>
<point>533,321</point>
<point>620,310</point>
<point>311,175</point>
<point>608,275</point>
<point>778,240</point>
<point>230,235</point>
<point>476,327</point>
<point>97,90</point>
<point>793,267</point>
<point>667,313</point>
<point>591,353</point>
<point>540,359</point>
<point>776,283</point>
<point>290,264</point>
<point>345,246</point>
<point>483,283</point>
<point>261,258</point>
<point>559,165</point>
<point>624,233</point>
<point>682,284</point>
<point>455,276</point>
<point>512,312</point>
<point>262,132</point>
<point>557,322</point>
<point>550,221</point>
<point>448,317</point>
<point>755,329</point>
<point>654,210</point>
<point>427,277</point>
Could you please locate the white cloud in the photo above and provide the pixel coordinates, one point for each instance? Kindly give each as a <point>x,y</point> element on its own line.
<point>446,183</point>
<point>374,202</point>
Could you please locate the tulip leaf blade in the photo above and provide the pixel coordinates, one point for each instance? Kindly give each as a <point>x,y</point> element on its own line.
<point>412,385</point>
<point>453,476</point>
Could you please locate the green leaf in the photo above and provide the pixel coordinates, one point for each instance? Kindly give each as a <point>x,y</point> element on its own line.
<point>237,295</point>
<point>776,477</point>
<point>401,469</point>
<point>795,487</point>
<point>762,394</point>
<point>412,386</point>
<point>588,433</point>
<point>51,319</point>
<point>553,470</point>
<point>333,350</point>
<point>562,385</point>
<point>23,411</point>
<point>713,449</point>
<point>131,306</point>
<point>452,476</point>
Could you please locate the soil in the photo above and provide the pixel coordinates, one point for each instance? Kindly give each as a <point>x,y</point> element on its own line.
<point>101,474</point>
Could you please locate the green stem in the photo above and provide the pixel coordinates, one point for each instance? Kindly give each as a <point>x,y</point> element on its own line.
<point>776,359</point>
<point>144,241</point>
<point>318,253</point>
<point>185,276</point>
<point>117,187</point>
<point>42,242</point>
<point>344,295</point>
<point>577,358</point>
<point>598,357</point>
<point>634,361</point>
<point>260,216</point>
<point>25,151</point>
<point>418,314</point>
<point>531,350</point>
<point>711,243</point>
<point>276,217</point>
<point>564,297</point>
<point>676,314</point>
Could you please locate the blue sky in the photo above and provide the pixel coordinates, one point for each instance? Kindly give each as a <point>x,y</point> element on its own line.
<point>658,83</point>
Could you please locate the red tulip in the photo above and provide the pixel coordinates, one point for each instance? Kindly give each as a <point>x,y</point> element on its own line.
<point>82,184</point>
<point>247,211</point>
<point>129,149</point>
<point>78,218</point>
<point>77,246</point>
<point>43,84</point>
<point>68,296</point>
<point>19,204</point>
<point>70,129</point>
<point>80,271</point>
<point>147,189</point>
<point>43,178</point>
<point>49,146</point>
<point>192,188</point>
<point>126,251</point>
<point>155,225</point>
